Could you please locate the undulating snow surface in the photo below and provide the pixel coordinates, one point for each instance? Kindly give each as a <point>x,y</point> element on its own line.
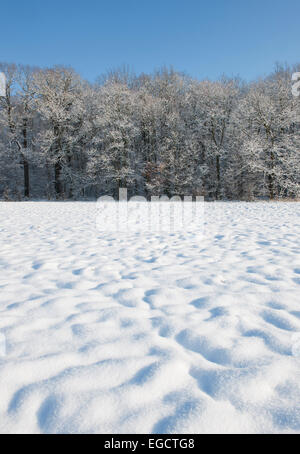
<point>149,333</point>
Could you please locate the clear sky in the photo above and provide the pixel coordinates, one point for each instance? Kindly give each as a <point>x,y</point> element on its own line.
<point>201,37</point>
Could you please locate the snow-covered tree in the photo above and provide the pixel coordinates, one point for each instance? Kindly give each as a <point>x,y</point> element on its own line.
<point>59,104</point>
<point>161,133</point>
<point>268,117</point>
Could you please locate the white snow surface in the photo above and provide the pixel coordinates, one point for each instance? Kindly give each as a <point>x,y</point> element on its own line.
<point>149,333</point>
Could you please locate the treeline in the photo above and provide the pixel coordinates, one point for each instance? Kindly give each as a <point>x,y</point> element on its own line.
<point>165,133</point>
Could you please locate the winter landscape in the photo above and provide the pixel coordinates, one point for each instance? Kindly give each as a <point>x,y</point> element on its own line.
<point>149,218</point>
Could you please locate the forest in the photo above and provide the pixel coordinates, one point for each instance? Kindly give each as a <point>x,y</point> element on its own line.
<point>165,133</point>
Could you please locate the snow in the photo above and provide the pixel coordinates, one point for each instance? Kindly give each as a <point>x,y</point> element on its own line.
<point>102,332</point>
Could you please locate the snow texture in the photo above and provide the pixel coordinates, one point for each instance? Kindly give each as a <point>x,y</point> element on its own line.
<point>149,333</point>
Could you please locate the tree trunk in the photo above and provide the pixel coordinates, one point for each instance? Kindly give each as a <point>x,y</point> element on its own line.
<point>26,178</point>
<point>271,186</point>
<point>58,187</point>
<point>271,177</point>
<point>25,162</point>
<point>218,177</point>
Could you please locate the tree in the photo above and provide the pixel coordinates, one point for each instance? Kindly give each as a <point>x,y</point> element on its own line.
<point>111,153</point>
<point>160,133</point>
<point>58,102</point>
<point>267,117</point>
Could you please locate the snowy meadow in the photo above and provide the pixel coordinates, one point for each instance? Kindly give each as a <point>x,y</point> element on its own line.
<point>154,332</point>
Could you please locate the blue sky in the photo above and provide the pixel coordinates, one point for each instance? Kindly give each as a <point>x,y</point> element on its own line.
<point>201,37</point>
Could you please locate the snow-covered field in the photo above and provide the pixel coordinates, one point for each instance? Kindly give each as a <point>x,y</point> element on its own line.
<point>149,333</point>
